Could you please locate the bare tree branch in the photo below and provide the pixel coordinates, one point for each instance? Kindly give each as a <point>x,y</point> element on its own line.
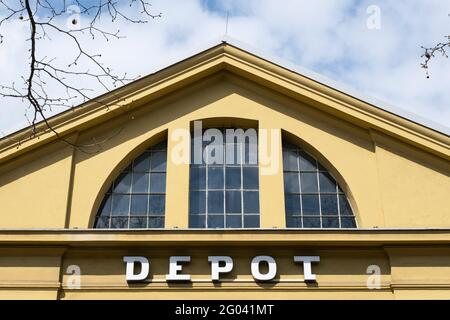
<point>44,18</point>
<point>430,53</point>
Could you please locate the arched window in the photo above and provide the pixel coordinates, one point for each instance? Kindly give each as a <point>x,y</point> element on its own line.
<point>136,198</point>
<point>313,199</point>
<point>224,182</point>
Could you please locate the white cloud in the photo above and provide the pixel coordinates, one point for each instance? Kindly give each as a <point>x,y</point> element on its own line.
<point>327,36</point>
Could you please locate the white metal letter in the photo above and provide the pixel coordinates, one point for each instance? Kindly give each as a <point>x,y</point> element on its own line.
<point>216,269</point>
<point>174,267</point>
<point>307,272</point>
<point>272,268</point>
<point>130,261</point>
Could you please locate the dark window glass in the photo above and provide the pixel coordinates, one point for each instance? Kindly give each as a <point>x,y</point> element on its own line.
<point>197,202</point>
<point>119,223</point>
<point>251,221</point>
<point>233,202</point>
<point>328,222</point>
<point>251,201</point>
<point>102,222</point>
<point>234,221</point>
<point>137,194</point>
<point>198,221</point>
<point>348,222</point>
<point>120,205</point>
<point>310,204</point>
<point>215,221</point>
<point>311,222</point>
<point>157,182</point>
<point>329,205</point>
<point>215,178</point>
<point>223,191</point>
<point>290,160</point>
<point>313,199</point>
<point>198,178</point>
<point>157,204</point>
<point>306,162</point>
<point>215,202</point>
<point>138,222</point>
<point>233,177</point>
<point>142,163</point>
<point>292,204</point>
<point>327,183</point>
<point>291,182</point>
<point>308,181</point>
<point>294,222</point>
<point>156,222</point>
<point>344,206</point>
<point>251,179</point>
<point>139,205</point>
<point>158,162</point>
<point>105,208</point>
<point>123,183</point>
<point>140,182</point>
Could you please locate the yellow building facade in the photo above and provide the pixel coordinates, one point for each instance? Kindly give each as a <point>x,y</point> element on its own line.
<point>388,239</point>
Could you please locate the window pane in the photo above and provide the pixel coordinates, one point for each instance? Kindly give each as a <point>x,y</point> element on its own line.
<point>139,204</point>
<point>119,223</point>
<point>123,183</point>
<point>120,205</point>
<point>327,183</point>
<point>102,223</point>
<point>140,182</point>
<point>293,222</point>
<point>344,206</point>
<point>290,160</point>
<point>198,221</point>
<point>251,179</point>
<point>197,178</point>
<point>158,182</point>
<point>215,178</point>
<point>105,208</point>
<point>292,204</point>
<point>129,201</point>
<point>316,200</point>
<point>310,204</point>
<point>311,222</point>
<point>155,222</point>
<point>291,182</point>
<point>215,202</point>
<point>157,204</point>
<point>306,162</point>
<point>215,221</point>
<point>308,181</point>
<point>329,204</point>
<point>197,202</point>
<point>251,221</point>
<point>348,222</point>
<point>233,202</point>
<point>330,222</point>
<point>138,222</point>
<point>234,221</point>
<point>142,163</point>
<point>251,202</point>
<point>233,177</point>
<point>158,162</point>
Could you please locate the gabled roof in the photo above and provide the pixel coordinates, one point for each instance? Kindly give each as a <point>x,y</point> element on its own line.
<point>234,56</point>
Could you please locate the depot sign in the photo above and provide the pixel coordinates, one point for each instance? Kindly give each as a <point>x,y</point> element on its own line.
<point>219,265</point>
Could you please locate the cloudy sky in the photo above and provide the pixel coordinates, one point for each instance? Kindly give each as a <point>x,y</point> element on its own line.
<point>330,37</point>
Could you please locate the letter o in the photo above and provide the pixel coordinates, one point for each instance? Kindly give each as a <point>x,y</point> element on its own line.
<point>257,275</point>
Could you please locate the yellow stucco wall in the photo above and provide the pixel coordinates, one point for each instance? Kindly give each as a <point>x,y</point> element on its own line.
<point>394,177</point>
